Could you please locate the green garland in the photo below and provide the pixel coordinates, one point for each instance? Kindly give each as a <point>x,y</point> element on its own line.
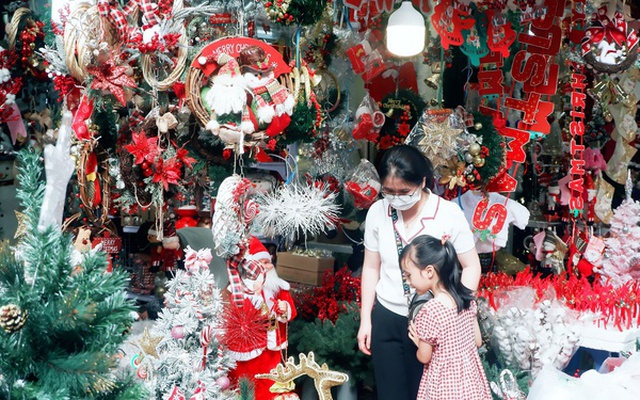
<point>301,127</point>
<point>492,140</point>
<point>300,12</point>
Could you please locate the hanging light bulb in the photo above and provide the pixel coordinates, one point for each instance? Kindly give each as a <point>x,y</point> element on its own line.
<point>406,31</point>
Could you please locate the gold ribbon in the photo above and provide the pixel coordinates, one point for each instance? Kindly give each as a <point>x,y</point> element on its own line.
<point>623,114</point>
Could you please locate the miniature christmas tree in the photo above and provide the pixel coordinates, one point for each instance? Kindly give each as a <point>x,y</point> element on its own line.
<point>63,317</point>
<point>622,255</point>
<point>188,360</point>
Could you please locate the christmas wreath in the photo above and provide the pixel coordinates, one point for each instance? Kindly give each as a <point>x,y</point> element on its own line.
<point>216,93</point>
<point>402,110</point>
<point>481,157</point>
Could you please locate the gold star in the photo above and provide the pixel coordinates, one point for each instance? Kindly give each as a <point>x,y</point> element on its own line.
<point>149,343</point>
<point>324,379</point>
<point>22,224</point>
<point>438,142</point>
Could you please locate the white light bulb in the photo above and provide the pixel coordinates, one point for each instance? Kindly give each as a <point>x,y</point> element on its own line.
<point>406,31</point>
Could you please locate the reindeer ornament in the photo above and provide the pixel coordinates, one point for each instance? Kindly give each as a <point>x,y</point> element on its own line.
<point>323,378</point>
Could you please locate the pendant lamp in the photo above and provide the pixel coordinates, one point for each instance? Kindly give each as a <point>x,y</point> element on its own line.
<point>406,31</point>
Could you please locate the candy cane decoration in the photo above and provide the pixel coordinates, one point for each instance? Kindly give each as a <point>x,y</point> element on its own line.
<point>206,334</point>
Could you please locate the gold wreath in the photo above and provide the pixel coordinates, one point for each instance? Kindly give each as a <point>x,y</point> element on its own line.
<point>12,28</point>
<point>183,46</point>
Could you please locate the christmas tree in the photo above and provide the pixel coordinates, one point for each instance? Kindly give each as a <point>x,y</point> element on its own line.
<point>621,262</point>
<point>622,255</point>
<point>188,361</point>
<point>63,317</point>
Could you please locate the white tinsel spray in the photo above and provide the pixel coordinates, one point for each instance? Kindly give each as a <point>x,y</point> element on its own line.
<point>296,209</point>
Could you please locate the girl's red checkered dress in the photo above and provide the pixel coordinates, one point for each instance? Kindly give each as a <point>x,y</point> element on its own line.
<point>455,371</point>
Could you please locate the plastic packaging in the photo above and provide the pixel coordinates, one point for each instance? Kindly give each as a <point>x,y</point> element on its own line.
<point>368,120</point>
<point>533,335</point>
<point>364,185</point>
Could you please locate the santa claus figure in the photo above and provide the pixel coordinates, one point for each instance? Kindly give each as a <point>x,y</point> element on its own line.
<point>270,295</point>
<point>271,103</point>
<point>226,99</point>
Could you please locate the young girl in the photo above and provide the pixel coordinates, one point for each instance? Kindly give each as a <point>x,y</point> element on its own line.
<point>445,330</point>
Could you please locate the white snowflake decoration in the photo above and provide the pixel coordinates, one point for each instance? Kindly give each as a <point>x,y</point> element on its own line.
<point>297,209</point>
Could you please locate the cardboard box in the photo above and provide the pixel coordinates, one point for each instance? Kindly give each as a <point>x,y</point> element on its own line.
<point>303,269</point>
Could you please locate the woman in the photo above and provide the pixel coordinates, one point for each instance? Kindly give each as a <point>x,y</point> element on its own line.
<point>406,175</point>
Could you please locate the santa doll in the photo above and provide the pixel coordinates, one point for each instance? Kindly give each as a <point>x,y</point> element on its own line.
<point>226,99</point>
<point>270,295</point>
<point>271,103</point>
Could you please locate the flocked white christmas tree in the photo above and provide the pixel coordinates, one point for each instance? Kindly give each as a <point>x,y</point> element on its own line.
<point>188,362</point>
<point>622,249</point>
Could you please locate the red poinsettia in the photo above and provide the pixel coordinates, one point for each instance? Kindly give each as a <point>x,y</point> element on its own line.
<point>167,172</point>
<point>143,148</point>
<point>112,78</point>
<point>329,300</point>
<point>182,154</point>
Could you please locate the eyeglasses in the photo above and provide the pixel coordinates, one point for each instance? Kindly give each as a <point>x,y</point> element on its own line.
<point>402,196</point>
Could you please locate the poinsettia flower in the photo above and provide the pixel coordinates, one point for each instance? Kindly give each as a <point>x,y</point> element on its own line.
<point>143,148</point>
<point>182,154</point>
<point>167,172</point>
<point>112,78</point>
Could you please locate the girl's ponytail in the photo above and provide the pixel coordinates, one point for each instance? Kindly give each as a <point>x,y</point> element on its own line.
<point>450,276</point>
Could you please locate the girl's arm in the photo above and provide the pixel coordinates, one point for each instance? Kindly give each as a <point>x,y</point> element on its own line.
<point>370,278</point>
<point>476,333</point>
<point>425,350</point>
<point>471,270</point>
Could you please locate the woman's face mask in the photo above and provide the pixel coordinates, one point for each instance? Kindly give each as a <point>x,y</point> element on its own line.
<point>403,202</point>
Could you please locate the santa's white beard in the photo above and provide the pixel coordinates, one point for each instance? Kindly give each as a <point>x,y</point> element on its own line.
<point>273,283</point>
<point>226,99</point>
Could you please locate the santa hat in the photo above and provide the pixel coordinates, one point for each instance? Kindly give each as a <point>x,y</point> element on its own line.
<point>257,251</point>
<point>229,68</point>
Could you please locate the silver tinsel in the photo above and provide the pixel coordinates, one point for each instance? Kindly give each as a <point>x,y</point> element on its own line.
<point>295,210</point>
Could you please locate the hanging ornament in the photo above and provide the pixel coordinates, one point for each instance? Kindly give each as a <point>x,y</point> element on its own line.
<point>12,318</point>
<point>297,209</point>
<point>435,135</point>
<point>474,149</point>
<point>478,161</point>
<point>609,45</point>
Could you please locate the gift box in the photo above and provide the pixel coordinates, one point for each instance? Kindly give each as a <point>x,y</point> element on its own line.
<point>303,269</point>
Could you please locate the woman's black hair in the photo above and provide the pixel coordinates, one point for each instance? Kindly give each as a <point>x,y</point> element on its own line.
<point>407,163</point>
<point>426,250</point>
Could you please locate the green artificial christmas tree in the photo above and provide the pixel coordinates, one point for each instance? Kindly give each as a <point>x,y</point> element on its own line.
<point>62,316</point>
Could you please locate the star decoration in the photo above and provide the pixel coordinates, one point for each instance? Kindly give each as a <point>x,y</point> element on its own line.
<point>323,378</point>
<point>112,78</point>
<point>149,343</point>
<point>22,224</point>
<point>437,141</point>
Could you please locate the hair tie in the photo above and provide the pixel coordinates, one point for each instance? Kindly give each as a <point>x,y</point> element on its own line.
<point>445,237</point>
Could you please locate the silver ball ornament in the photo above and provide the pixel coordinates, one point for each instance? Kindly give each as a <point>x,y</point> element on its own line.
<point>625,229</point>
<point>477,126</point>
<point>468,158</point>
